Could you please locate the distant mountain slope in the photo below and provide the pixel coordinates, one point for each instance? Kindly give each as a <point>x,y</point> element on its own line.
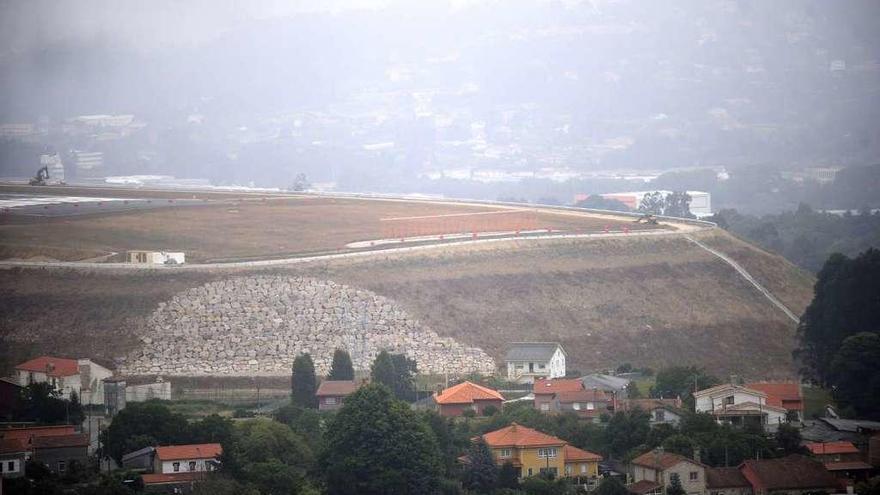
<point>652,301</point>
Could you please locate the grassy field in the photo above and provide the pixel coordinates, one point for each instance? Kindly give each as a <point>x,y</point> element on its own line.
<point>652,301</point>
<point>242,229</point>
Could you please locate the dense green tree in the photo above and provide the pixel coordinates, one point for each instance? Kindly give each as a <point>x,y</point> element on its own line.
<point>304,422</point>
<point>542,485</point>
<point>452,438</point>
<point>659,433</point>
<point>397,372</point>
<point>212,429</point>
<point>845,301</point>
<point>678,204</point>
<point>675,487</point>
<point>610,486</point>
<point>679,444</point>
<point>270,456</point>
<point>627,430</point>
<point>42,403</point>
<point>141,424</point>
<point>376,444</point>
<point>507,476</point>
<point>481,473</point>
<point>855,374</point>
<point>632,390</point>
<point>652,203</point>
<point>341,367</point>
<point>304,384</point>
<point>679,381</point>
<point>788,438</point>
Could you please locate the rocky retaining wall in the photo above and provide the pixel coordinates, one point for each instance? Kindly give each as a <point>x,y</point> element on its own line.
<point>258,325</point>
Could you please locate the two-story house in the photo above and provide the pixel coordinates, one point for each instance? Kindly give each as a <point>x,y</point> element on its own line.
<point>739,406</point>
<point>331,394</point>
<point>790,475</point>
<point>532,452</point>
<point>179,464</point>
<point>652,472</point>
<point>545,391</point>
<point>786,395</point>
<point>457,399</point>
<point>527,361</point>
<point>586,404</point>
<point>842,459</point>
<point>82,376</point>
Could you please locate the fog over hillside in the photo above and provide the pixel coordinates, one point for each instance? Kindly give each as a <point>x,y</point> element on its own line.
<point>442,96</point>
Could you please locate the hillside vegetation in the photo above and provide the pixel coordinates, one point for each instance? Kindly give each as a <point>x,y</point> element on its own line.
<point>654,301</point>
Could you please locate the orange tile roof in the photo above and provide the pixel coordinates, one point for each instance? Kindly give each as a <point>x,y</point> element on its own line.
<point>11,446</point>
<point>780,394</point>
<point>161,478</point>
<point>466,393</point>
<point>553,386</point>
<point>582,396</point>
<point>193,451</point>
<point>574,454</point>
<point>847,466</point>
<point>818,448</point>
<point>62,441</point>
<point>26,435</point>
<point>661,460</point>
<point>517,435</point>
<point>57,366</point>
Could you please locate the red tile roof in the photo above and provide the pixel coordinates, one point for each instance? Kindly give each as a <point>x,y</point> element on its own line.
<point>11,446</point>
<point>661,460</point>
<point>517,435</point>
<point>793,472</point>
<point>62,441</point>
<point>847,466</point>
<point>55,366</point>
<point>160,478</point>
<point>336,388</point>
<point>574,454</point>
<point>193,451</point>
<point>818,448</point>
<point>553,386</point>
<point>725,477</point>
<point>466,393</point>
<point>787,395</point>
<point>26,435</point>
<point>582,396</point>
<point>642,487</point>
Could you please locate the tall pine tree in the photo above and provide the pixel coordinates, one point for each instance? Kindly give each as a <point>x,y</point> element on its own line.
<point>481,472</point>
<point>396,372</point>
<point>341,369</point>
<point>303,382</point>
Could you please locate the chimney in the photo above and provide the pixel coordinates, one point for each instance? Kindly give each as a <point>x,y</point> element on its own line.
<point>697,455</point>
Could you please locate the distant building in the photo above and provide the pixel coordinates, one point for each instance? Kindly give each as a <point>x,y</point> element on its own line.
<point>843,459</point>
<point>175,465</point>
<point>156,257</point>
<point>662,411</point>
<point>13,455</point>
<point>87,163</point>
<point>790,475</point>
<point>82,376</point>
<point>545,391</point>
<point>739,406</point>
<point>609,383</point>
<point>727,481</point>
<point>527,361</point>
<point>701,201</point>
<point>332,393</point>
<point>58,452</point>
<point>467,396</point>
<point>653,471</point>
<point>586,404</point>
<point>119,391</point>
<point>17,130</point>
<point>786,395</point>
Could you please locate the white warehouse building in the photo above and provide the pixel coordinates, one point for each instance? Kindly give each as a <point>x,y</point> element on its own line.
<point>701,201</point>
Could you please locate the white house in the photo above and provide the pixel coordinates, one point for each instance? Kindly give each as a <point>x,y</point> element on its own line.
<point>156,257</point>
<point>652,473</point>
<point>529,360</point>
<point>739,405</point>
<point>193,458</point>
<point>82,376</point>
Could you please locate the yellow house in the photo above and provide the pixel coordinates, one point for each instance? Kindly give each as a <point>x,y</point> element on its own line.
<point>532,452</point>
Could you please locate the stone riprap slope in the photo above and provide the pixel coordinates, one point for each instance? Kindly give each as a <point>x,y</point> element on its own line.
<point>258,325</point>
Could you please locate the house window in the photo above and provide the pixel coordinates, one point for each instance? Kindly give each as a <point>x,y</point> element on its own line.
<point>660,415</point>
<point>694,476</point>
<point>31,378</point>
<point>176,467</point>
<point>530,471</point>
<point>547,452</point>
<point>330,401</point>
<point>545,406</point>
<point>519,366</point>
<point>728,401</point>
<point>576,406</point>
<point>583,469</point>
<point>505,453</point>
<point>62,466</point>
<point>568,469</point>
<point>192,465</point>
<point>590,406</point>
<point>541,366</point>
